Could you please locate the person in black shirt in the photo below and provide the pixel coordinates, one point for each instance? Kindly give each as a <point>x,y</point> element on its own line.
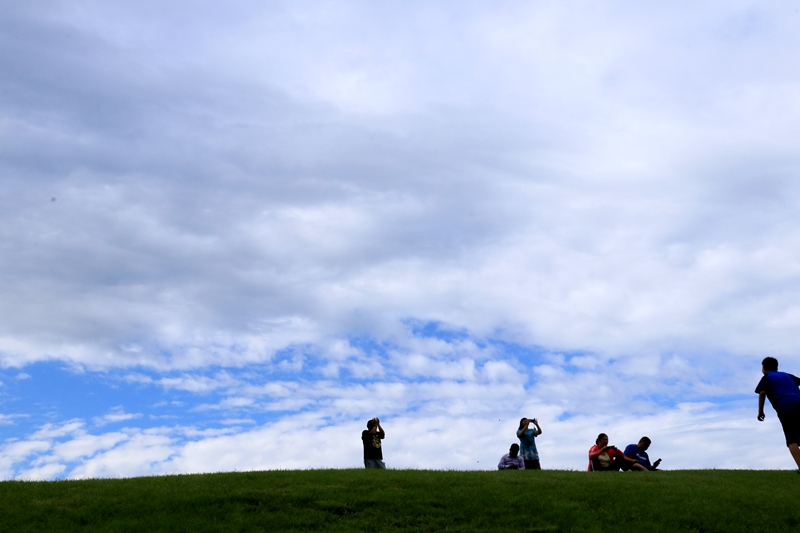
<point>371,438</point>
<point>784,394</point>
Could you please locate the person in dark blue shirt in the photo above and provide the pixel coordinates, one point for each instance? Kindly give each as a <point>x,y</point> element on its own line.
<point>784,394</point>
<point>638,451</point>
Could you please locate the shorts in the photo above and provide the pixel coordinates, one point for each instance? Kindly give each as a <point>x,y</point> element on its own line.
<point>532,464</point>
<point>790,421</point>
<point>374,463</point>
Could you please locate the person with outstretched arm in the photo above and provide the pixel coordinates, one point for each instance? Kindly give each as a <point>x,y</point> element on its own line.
<point>784,394</point>
<point>373,451</point>
<point>638,452</point>
<point>512,460</point>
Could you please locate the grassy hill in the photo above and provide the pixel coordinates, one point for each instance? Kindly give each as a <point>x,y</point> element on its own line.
<point>411,500</point>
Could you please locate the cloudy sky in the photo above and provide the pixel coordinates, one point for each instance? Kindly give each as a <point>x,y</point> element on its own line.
<point>232,232</point>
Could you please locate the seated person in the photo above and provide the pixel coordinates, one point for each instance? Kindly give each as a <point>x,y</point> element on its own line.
<point>512,460</point>
<point>638,451</point>
<point>603,457</point>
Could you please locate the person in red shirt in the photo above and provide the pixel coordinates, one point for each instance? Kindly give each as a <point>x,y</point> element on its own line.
<point>603,457</point>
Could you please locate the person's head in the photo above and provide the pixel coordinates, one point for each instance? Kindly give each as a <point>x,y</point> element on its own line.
<point>371,424</point>
<point>514,450</point>
<point>522,422</point>
<point>602,440</point>
<point>643,444</point>
<point>769,364</point>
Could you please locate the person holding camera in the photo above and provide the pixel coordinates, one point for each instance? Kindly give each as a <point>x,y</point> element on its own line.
<point>527,434</point>
<point>603,457</point>
<point>373,451</point>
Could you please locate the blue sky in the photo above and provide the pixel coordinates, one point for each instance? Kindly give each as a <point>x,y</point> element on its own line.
<point>233,232</point>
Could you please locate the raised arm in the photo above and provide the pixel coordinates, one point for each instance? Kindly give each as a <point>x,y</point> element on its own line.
<point>538,428</point>
<point>596,451</point>
<point>380,429</point>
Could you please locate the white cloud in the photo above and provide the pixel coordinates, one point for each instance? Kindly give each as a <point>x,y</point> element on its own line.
<point>259,208</point>
<point>688,436</point>
<point>117,415</point>
<point>237,421</point>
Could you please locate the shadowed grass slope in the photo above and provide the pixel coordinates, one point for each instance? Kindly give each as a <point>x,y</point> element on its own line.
<point>413,500</point>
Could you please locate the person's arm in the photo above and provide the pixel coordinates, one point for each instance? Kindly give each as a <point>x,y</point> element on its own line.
<point>538,430</point>
<point>380,429</point>
<point>761,396</point>
<point>502,464</point>
<point>524,428</point>
<point>654,466</point>
<point>596,451</point>
<point>613,451</point>
<point>629,459</point>
<point>630,451</point>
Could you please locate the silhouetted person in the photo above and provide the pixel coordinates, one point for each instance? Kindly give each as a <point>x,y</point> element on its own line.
<point>603,457</point>
<point>784,395</point>
<point>527,443</point>
<point>371,438</point>
<point>638,452</point>
<point>512,460</point>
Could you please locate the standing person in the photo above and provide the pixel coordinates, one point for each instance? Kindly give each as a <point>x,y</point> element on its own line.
<point>371,438</point>
<point>638,452</point>
<point>603,457</point>
<point>784,395</point>
<point>527,443</point>
<point>511,460</point>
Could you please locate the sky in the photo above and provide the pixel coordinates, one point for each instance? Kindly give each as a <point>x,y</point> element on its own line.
<point>233,232</point>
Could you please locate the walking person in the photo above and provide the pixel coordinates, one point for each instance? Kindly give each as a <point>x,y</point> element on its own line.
<point>528,430</point>
<point>784,395</point>
<point>373,451</point>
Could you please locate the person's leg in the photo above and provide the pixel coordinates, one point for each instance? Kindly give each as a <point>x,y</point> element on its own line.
<point>609,468</point>
<point>794,449</point>
<point>529,464</point>
<point>380,465</point>
<point>790,421</point>
<point>534,465</point>
<point>638,467</point>
<point>370,463</point>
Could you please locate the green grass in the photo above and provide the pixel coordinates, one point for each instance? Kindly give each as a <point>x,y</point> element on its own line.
<point>411,500</point>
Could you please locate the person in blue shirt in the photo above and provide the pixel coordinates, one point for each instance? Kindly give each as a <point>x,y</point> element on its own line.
<point>638,452</point>
<point>528,430</point>
<point>784,394</point>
